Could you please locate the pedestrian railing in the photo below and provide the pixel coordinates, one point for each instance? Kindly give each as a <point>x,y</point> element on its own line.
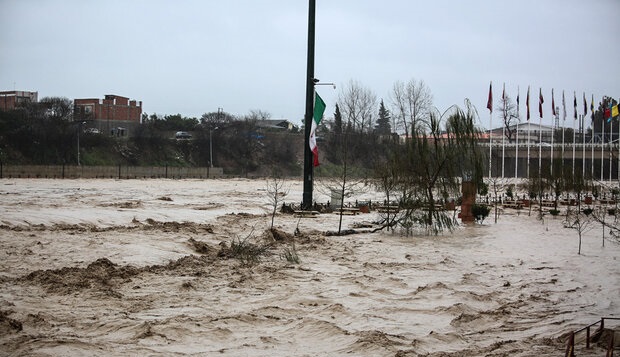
<point>570,344</point>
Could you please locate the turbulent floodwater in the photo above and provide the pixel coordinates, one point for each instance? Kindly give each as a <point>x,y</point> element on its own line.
<point>144,267</point>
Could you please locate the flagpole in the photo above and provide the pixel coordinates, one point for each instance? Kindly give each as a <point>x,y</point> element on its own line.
<point>528,148</point>
<point>490,142</point>
<point>540,102</point>
<point>517,143</point>
<point>540,147</point>
<point>591,155</point>
<point>563,128</point>
<point>602,145</point>
<point>553,121</point>
<point>552,142</point>
<point>504,128</point>
<point>611,130</point>
<point>308,159</point>
<point>574,134</point>
<point>527,106</point>
<point>490,107</point>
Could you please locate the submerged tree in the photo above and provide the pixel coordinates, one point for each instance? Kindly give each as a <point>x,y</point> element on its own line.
<point>276,192</point>
<point>432,164</point>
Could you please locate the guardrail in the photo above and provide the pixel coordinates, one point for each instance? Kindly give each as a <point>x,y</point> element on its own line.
<point>570,344</point>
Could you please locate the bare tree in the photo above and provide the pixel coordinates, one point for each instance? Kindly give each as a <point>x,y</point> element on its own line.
<point>276,192</point>
<point>358,105</point>
<point>580,220</point>
<point>508,113</point>
<point>412,102</point>
<point>497,186</point>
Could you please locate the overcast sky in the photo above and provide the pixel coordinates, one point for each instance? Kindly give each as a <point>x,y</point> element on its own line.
<point>192,57</point>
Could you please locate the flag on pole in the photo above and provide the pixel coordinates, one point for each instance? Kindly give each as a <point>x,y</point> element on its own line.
<point>563,107</point>
<point>585,105</point>
<point>527,102</point>
<point>552,103</point>
<point>575,104</point>
<point>490,100</point>
<point>614,111</point>
<point>540,102</point>
<point>319,109</point>
<point>608,113</point>
<point>517,103</point>
<point>592,105</point>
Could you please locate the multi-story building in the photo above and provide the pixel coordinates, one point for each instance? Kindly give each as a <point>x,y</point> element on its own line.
<point>113,114</point>
<point>14,98</point>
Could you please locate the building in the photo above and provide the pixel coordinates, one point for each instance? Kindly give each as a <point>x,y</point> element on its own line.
<point>114,114</point>
<point>535,131</point>
<point>10,100</point>
<point>275,124</point>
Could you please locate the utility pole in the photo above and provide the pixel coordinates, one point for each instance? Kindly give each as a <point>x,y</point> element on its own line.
<point>308,168</point>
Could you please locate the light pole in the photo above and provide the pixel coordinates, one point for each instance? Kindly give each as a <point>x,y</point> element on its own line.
<point>308,169</point>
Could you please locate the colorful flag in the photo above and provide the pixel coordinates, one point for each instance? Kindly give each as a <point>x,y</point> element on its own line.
<point>540,102</point>
<point>527,102</point>
<point>614,111</point>
<point>319,109</point>
<point>592,105</point>
<point>608,113</point>
<point>552,103</point>
<point>563,106</point>
<point>490,100</point>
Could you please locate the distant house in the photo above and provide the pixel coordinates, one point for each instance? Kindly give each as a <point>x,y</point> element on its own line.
<point>12,99</point>
<point>275,124</point>
<point>114,114</point>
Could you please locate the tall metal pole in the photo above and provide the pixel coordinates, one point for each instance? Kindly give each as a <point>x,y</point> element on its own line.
<point>517,143</point>
<point>78,143</point>
<point>611,140</point>
<point>602,144</point>
<point>308,168</point>
<point>574,142</point>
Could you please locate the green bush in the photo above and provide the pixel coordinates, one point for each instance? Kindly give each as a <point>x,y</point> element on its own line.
<point>480,212</point>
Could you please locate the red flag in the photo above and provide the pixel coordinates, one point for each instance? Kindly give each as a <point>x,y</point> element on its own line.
<point>540,102</point>
<point>552,103</point>
<point>490,100</point>
<point>527,102</point>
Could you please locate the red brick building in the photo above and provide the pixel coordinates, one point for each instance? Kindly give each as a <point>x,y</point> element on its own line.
<point>113,114</point>
<point>12,99</point>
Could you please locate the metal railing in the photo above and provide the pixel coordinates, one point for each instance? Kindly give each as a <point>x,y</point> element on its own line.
<point>570,344</point>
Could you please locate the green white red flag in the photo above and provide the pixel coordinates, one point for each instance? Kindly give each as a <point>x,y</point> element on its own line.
<point>317,115</point>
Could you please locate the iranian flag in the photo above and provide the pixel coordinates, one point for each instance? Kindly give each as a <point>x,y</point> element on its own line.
<point>319,108</point>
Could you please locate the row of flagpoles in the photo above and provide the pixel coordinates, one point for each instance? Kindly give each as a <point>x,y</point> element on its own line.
<point>609,113</point>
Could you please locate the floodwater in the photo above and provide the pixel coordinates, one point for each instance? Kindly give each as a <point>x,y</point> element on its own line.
<point>144,267</point>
